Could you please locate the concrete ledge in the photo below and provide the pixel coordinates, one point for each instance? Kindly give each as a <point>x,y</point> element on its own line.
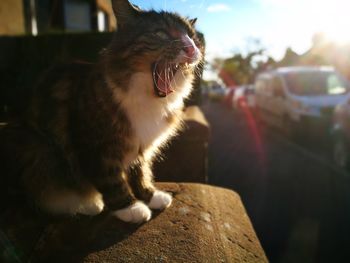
<point>194,113</point>
<point>185,159</point>
<point>204,224</point>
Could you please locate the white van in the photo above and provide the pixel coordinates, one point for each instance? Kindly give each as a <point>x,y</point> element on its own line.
<point>299,99</point>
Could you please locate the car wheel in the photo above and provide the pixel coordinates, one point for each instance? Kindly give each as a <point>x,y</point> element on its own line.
<point>340,152</point>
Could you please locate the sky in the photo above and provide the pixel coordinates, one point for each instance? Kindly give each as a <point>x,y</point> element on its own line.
<point>229,26</point>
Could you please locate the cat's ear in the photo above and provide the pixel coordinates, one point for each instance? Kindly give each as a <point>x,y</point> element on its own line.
<point>193,21</point>
<point>124,12</point>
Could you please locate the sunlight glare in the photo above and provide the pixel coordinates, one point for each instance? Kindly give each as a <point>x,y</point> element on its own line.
<point>294,22</point>
<point>329,17</point>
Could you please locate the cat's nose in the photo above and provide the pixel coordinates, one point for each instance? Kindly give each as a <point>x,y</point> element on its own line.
<point>192,53</point>
<point>189,50</point>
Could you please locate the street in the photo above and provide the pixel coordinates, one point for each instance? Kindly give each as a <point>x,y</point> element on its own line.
<point>298,202</point>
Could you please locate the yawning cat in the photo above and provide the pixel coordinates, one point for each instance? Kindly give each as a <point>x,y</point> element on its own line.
<point>91,131</point>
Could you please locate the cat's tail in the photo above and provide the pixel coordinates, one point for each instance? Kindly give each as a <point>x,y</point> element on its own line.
<point>35,171</point>
<point>29,164</point>
<point>12,138</point>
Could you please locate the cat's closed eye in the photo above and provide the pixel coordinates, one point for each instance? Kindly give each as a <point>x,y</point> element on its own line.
<point>162,35</point>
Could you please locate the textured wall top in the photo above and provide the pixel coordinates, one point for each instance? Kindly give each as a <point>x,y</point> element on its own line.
<point>204,224</point>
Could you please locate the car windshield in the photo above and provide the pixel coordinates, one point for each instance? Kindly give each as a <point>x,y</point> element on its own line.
<point>316,83</point>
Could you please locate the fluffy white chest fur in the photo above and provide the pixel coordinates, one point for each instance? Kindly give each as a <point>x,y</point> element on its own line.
<point>149,115</point>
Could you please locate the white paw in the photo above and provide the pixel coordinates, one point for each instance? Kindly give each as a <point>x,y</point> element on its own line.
<point>135,213</point>
<point>93,206</point>
<point>160,200</point>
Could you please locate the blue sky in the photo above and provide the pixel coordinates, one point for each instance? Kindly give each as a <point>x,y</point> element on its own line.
<point>278,24</point>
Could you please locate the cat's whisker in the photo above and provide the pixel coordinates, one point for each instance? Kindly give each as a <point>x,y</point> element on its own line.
<point>167,68</point>
<point>198,71</point>
<point>154,73</point>
<point>188,46</point>
<point>167,74</point>
<point>173,78</point>
<point>170,77</point>
<point>201,63</point>
<point>183,75</point>
<point>159,77</point>
<point>200,6</point>
<point>185,56</point>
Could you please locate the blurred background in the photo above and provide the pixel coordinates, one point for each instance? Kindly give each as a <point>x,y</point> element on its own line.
<point>275,91</point>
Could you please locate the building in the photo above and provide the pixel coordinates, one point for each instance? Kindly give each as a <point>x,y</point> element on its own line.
<point>11,17</point>
<point>18,17</point>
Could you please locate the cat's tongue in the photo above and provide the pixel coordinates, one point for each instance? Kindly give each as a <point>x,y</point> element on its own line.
<point>162,77</point>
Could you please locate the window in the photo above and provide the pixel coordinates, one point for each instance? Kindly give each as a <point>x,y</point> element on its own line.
<point>277,87</point>
<point>77,15</point>
<point>335,85</point>
<point>315,83</point>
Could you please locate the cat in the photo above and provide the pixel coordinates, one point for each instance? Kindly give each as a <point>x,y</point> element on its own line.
<point>88,138</point>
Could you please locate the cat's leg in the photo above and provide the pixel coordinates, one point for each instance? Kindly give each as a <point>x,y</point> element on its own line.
<point>113,192</point>
<point>119,198</point>
<point>72,202</point>
<point>141,180</point>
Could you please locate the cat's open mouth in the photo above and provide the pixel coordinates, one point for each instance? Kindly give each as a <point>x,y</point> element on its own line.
<point>163,74</point>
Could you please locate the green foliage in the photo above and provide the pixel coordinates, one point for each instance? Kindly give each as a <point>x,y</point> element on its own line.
<point>241,69</point>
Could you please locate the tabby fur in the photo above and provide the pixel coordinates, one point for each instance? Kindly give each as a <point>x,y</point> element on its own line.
<point>88,139</point>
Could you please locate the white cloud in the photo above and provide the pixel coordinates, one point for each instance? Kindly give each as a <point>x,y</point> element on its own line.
<point>218,8</point>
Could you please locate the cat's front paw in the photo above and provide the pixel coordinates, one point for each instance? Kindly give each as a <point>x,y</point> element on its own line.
<point>160,200</point>
<point>135,213</point>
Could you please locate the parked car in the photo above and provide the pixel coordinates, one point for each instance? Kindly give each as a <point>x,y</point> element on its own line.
<point>217,92</point>
<point>228,100</point>
<point>244,96</point>
<point>300,100</point>
<point>340,135</point>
